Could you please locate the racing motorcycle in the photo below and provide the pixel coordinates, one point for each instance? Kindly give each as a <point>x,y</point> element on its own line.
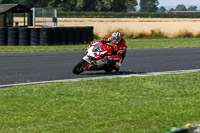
<point>94,59</point>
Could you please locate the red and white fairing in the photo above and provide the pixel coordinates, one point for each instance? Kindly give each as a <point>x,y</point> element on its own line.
<point>98,50</point>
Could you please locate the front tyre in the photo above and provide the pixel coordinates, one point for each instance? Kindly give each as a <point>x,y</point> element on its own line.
<point>79,67</point>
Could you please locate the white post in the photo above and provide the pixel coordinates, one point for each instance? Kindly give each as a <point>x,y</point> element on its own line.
<point>44,16</point>
<point>33,9</point>
<point>55,15</point>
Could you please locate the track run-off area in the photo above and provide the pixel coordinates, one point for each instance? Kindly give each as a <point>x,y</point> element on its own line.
<point>46,67</point>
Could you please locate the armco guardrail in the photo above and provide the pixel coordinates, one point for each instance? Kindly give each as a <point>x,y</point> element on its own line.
<point>45,36</point>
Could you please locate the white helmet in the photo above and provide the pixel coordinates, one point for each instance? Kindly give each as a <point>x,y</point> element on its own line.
<point>116,37</point>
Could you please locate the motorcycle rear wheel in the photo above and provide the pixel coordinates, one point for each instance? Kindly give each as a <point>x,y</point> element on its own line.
<point>78,68</point>
<point>110,67</point>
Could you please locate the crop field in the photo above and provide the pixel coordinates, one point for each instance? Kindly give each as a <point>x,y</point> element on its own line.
<point>134,27</point>
<point>138,27</point>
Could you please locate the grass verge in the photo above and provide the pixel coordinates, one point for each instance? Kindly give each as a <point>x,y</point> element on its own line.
<point>132,43</point>
<point>151,104</point>
<point>163,42</point>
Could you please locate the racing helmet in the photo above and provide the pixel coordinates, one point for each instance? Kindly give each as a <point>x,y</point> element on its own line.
<point>116,37</point>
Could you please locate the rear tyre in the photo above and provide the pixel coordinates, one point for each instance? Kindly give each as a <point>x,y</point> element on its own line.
<point>78,68</point>
<point>110,67</point>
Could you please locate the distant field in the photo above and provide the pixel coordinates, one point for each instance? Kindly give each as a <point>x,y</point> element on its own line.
<point>138,27</point>
<point>135,27</point>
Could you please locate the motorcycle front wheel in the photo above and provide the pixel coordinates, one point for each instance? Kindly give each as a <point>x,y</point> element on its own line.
<point>79,67</point>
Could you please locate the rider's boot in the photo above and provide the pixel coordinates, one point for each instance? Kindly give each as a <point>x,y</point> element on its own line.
<point>117,66</point>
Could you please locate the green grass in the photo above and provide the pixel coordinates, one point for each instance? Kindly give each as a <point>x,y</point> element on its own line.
<point>151,104</point>
<point>163,43</point>
<point>132,43</point>
<point>41,48</point>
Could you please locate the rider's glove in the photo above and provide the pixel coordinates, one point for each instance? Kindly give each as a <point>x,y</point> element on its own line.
<point>119,53</point>
<point>105,41</point>
<point>92,42</point>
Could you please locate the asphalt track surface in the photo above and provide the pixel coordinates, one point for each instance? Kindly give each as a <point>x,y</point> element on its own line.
<point>47,66</point>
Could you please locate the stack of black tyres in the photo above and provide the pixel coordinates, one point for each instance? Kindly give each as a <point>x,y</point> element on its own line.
<point>35,36</point>
<point>63,35</point>
<point>90,34</point>
<point>46,36</point>
<point>70,35</point>
<point>56,36</point>
<point>24,36</point>
<point>77,35</point>
<point>13,36</point>
<point>3,36</point>
<point>83,37</point>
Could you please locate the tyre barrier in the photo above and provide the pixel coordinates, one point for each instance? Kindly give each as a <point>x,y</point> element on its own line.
<point>13,36</point>
<point>56,36</point>
<point>70,35</point>
<point>3,36</point>
<point>77,35</point>
<point>90,33</point>
<point>34,36</point>
<point>63,36</point>
<point>45,36</point>
<point>24,36</point>
<point>84,35</point>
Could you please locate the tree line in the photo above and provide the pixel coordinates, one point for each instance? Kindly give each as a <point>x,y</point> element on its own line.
<point>80,5</point>
<point>179,7</point>
<point>99,5</point>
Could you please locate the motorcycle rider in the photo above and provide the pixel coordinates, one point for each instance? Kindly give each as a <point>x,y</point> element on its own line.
<point>120,48</point>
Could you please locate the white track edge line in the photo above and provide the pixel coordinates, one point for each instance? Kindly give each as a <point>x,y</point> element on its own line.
<point>103,77</point>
